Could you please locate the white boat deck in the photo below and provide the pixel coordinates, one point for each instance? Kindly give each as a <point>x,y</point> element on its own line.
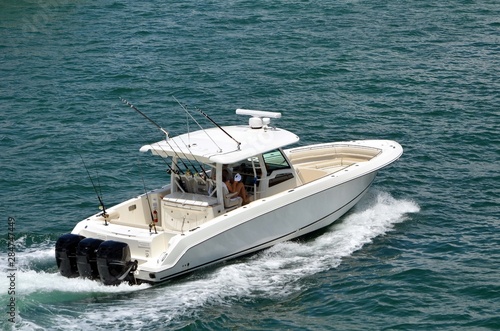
<point>190,199</point>
<point>314,162</point>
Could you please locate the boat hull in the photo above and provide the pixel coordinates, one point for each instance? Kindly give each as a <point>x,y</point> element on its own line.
<point>261,224</point>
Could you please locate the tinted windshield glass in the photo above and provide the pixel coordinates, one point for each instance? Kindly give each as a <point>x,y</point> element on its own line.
<point>275,160</point>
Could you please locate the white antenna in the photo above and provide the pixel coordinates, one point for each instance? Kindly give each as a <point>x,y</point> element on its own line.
<point>258,113</point>
<point>260,119</point>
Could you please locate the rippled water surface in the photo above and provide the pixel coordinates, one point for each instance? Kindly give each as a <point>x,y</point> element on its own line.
<point>419,252</point>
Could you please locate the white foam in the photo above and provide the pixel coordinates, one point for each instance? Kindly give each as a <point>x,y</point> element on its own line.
<point>32,281</point>
<point>29,279</point>
<point>27,257</point>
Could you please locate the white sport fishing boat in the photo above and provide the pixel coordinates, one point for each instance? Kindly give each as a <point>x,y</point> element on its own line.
<point>194,221</point>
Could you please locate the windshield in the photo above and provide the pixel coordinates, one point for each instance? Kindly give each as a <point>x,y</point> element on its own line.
<point>275,160</point>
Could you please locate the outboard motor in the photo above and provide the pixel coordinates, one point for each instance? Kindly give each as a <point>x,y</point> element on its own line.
<point>66,254</point>
<point>86,257</point>
<point>114,262</point>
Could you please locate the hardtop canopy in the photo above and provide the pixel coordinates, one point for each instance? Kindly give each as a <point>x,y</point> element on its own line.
<point>215,146</point>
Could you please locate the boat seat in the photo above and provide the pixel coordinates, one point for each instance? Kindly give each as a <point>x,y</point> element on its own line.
<point>188,183</point>
<point>231,200</point>
<point>201,185</point>
<point>191,200</point>
<point>194,184</point>
<point>307,175</point>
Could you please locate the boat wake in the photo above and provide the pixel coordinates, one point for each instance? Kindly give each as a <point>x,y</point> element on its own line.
<point>270,274</point>
<point>36,273</point>
<point>275,271</point>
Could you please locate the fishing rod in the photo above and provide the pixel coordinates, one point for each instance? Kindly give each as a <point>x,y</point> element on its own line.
<point>185,156</point>
<point>99,196</point>
<point>145,116</point>
<point>167,141</point>
<point>153,219</point>
<point>177,155</point>
<point>170,169</point>
<point>161,129</point>
<point>188,159</point>
<point>187,112</point>
<point>211,120</point>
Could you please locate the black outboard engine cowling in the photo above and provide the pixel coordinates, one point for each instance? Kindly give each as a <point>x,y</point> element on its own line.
<point>66,254</point>
<point>114,262</point>
<point>86,257</point>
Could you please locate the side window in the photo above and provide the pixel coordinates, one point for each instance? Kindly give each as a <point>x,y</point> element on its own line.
<point>276,161</point>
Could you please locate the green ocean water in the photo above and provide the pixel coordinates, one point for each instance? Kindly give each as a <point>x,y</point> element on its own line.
<point>420,252</point>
